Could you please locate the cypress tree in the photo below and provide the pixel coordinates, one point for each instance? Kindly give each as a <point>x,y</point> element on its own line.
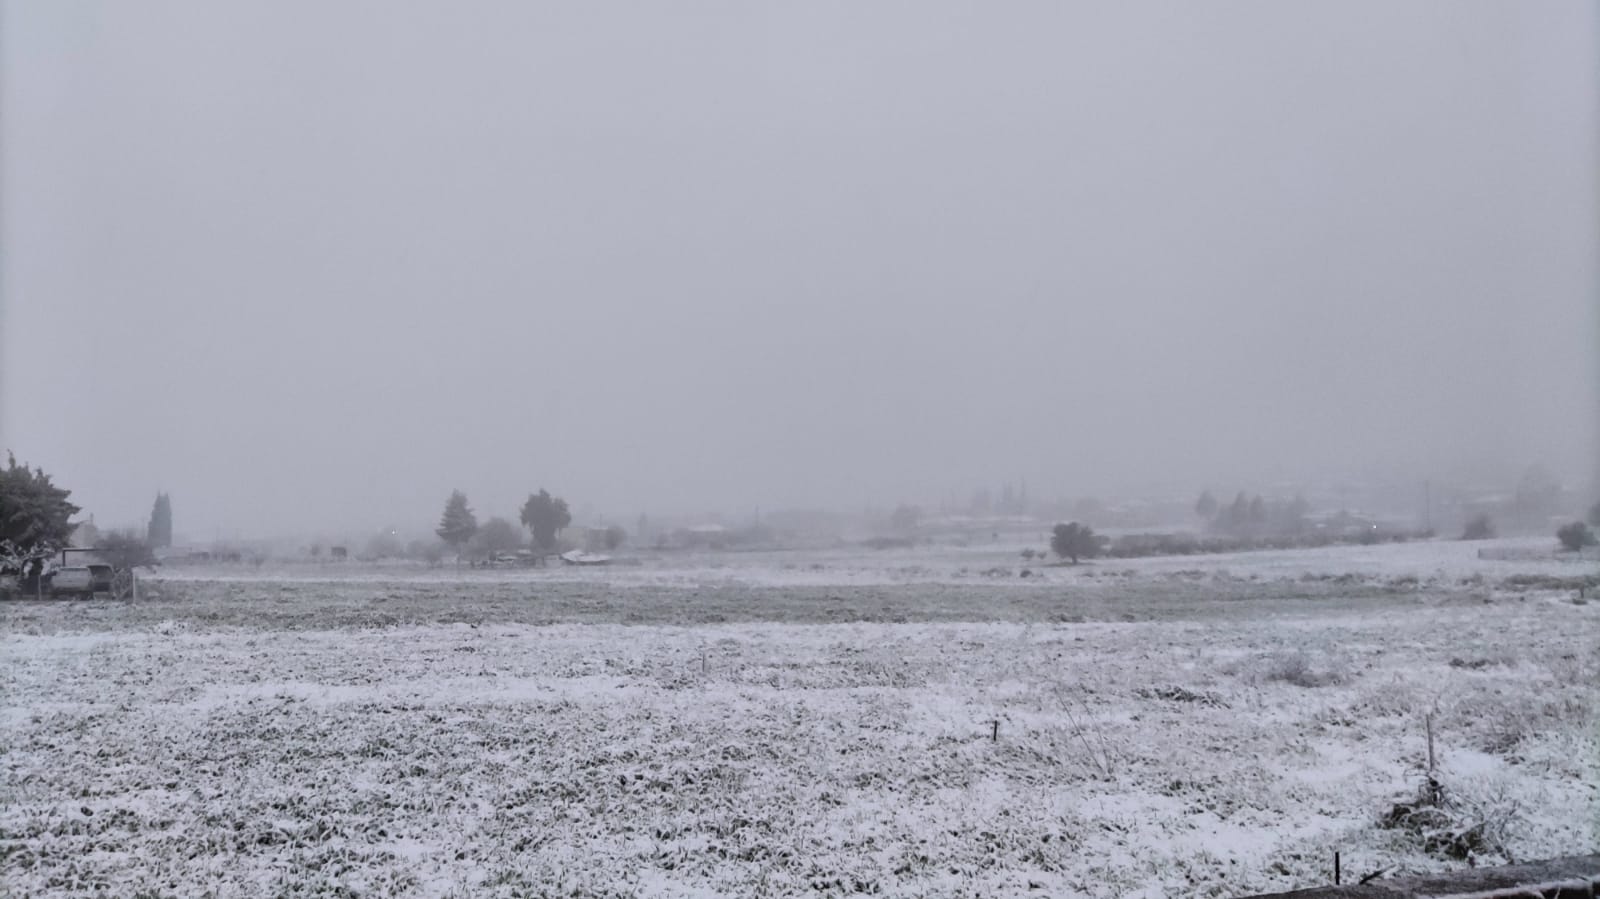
<point>159,532</point>
<point>458,524</point>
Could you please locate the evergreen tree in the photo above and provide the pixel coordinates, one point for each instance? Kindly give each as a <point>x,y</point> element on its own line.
<point>1238,513</point>
<point>545,516</point>
<point>1206,506</point>
<point>34,516</point>
<point>458,524</point>
<point>159,532</point>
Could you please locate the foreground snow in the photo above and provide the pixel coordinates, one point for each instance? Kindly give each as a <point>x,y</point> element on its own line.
<point>1228,744</point>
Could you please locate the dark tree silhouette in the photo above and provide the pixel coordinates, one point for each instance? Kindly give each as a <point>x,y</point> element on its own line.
<point>1074,541</point>
<point>34,517</point>
<point>159,532</point>
<point>1206,506</point>
<point>1479,528</point>
<point>458,524</point>
<point>545,516</point>
<point>1575,536</point>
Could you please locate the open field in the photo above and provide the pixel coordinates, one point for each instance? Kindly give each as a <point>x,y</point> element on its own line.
<point>1201,726</point>
<point>1444,562</point>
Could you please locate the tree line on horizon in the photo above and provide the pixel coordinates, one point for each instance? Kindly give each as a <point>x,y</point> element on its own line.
<point>545,516</point>
<point>36,523</point>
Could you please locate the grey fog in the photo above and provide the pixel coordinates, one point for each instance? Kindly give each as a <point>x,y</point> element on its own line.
<point>902,448</point>
<point>311,267</point>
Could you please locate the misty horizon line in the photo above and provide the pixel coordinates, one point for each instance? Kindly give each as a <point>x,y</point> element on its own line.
<point>1389,496</point>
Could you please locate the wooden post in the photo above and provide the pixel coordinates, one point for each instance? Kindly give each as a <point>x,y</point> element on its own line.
<point>1435,793</point>
<point>994,736</point>
<point>1335,867</point>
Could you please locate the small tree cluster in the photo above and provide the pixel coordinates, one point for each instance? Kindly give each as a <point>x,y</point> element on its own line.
<point>496,537</point>
<point>430,551</point>
<point>1252,516</point>
<point>544,516</point>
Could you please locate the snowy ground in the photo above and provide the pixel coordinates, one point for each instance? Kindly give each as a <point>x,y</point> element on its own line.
<point>854,565</point>
<point>1207,726</point>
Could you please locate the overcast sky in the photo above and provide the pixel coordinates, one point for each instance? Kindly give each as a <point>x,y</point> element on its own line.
<point>309,266</point>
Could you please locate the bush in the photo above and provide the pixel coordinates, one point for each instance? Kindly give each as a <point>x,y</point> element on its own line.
<point>1575,536</point>
<point>1296,668</point>
<point>124,550</point>
<point>1133,546</point>
<point>1074,541</point>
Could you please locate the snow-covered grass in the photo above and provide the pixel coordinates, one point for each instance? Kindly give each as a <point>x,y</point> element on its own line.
<point>518,737</point>
<point>999,562</point>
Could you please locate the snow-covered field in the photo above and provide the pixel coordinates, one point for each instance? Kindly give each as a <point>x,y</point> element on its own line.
<point>776,725</point>
<point>997,562</point>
